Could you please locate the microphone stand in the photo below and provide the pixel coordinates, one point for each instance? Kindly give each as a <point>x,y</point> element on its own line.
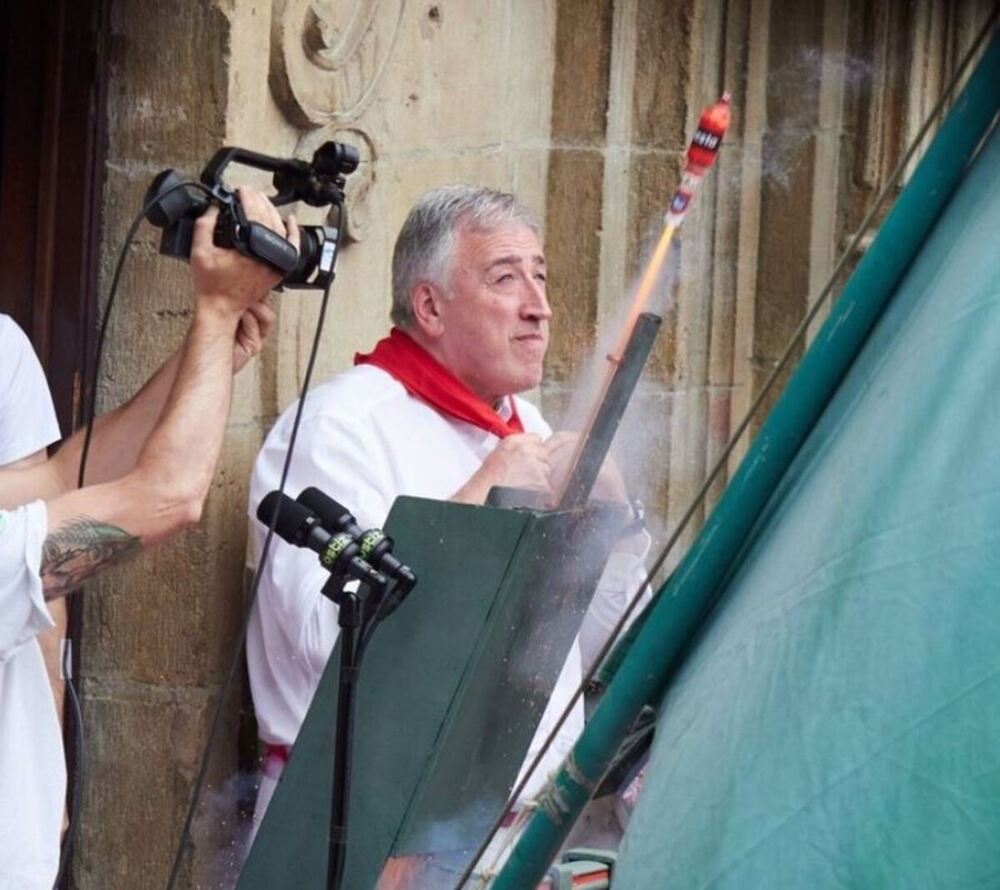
<point>358,613</point>
<point>349,617</point>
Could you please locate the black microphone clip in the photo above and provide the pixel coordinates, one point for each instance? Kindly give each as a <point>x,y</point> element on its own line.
<point>339,553</point>
<point>375,546</point>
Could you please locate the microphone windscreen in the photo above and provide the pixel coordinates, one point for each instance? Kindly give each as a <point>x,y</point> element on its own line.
<point>333,515</point>
<point>293,519</point>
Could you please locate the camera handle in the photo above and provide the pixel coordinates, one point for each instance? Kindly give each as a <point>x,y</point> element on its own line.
<point>317,184</point>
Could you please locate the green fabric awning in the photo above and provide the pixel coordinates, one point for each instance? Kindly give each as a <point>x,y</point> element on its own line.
<point>837,723</point>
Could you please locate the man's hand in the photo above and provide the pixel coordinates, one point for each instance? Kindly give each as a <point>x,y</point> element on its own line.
<point>559,451</point>
<point>518,462</point>
<point>609,485</point>
<point>255,325</point>
<point>225,279</point>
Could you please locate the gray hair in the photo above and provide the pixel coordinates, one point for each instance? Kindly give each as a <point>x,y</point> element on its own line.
<point>426,241</point>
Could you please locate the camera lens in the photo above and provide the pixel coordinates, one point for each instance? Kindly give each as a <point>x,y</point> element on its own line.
<point>335,159</point>
<point>174,202</point>
<point>310,243</point>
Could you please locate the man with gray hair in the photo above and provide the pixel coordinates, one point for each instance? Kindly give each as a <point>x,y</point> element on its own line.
<point>432,412</point>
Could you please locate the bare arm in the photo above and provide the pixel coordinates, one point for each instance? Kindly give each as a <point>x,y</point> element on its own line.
<point>95,526</point>
<point>32,460</point>
<point>119,434</point>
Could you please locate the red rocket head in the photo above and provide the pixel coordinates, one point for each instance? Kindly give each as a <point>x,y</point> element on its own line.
<point>707,138</point>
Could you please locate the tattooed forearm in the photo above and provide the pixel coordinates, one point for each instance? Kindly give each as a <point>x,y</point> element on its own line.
<point>76,550</point>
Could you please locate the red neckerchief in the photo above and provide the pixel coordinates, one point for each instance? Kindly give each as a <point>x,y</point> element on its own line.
<point>425,377</point>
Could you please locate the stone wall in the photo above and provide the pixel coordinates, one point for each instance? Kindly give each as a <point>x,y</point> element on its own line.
<point>581,106</point>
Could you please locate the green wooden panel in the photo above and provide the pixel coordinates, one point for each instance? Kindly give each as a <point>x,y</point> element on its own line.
<point>452,687</point>
<point>522,648</point>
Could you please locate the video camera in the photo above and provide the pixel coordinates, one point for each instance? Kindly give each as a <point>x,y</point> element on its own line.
<point>174,208</point>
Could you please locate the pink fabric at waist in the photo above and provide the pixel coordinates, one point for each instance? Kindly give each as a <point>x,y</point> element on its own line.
<point>275,758</point>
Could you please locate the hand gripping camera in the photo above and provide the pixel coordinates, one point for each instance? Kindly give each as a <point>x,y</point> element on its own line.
<point>174,207</point>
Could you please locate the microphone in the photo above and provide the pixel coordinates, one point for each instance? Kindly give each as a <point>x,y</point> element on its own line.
<point>300,526</point>
<point>374,545</point>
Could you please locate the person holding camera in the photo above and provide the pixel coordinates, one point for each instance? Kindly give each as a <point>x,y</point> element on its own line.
<point>149,471</point>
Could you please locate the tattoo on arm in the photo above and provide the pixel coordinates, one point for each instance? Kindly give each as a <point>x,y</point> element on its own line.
<point>78,549</point>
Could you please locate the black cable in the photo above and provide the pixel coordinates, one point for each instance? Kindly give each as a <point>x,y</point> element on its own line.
<point>723,458</point>
<point>386,606</point>
<point>258,574</point>
<point>66,848</point>
<point>90,415</point>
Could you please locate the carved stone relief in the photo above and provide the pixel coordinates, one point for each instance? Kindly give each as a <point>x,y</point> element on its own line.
<point>327,56</point>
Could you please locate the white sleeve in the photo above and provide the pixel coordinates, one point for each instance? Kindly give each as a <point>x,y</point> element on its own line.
<point>27,417</point>
<point>622,577</point>
<point>23,612</point>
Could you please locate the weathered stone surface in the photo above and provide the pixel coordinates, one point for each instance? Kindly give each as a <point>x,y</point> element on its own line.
<point>167,87</point>
<point>157,633</point>
<point>143,753</point>
<point>582,71</point>
<point>664,54</point>
<point>572,250</point>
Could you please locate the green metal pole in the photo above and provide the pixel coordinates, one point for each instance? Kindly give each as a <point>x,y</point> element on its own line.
<point>683,603</point>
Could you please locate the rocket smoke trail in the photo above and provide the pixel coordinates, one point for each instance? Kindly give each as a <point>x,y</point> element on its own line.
<point>700,155</point>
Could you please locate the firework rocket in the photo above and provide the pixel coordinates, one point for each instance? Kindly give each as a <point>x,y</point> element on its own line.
<point>701,154</point>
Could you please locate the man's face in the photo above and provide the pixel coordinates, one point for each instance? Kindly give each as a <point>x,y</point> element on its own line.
<point>495,322</point>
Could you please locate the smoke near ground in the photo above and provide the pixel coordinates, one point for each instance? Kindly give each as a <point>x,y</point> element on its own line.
<point>220,811</point>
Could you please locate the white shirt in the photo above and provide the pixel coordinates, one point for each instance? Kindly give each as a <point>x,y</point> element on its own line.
<point>27,418</point>
<point>364,441</point>
<point>32,767</point>
<point>32,764</point>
